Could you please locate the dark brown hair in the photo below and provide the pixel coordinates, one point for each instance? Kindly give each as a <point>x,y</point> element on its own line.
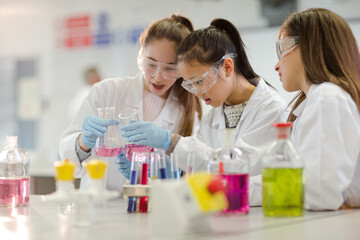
<point>209,45</point>
<point>328,50</point>
<point>176,28</point>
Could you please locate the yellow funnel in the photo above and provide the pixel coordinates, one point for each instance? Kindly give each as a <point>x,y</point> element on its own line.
<point>96,168</point>
<point>64,170</point>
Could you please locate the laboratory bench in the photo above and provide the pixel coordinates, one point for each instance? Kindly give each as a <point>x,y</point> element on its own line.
<point>42,220</point>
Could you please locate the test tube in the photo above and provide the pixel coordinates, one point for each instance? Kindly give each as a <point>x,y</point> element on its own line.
<point>143,207</point>
<point>133,179</point>
<point>154,166</point>
<point>190,164</point>
<point>160,155</point>
<point>174,163</point>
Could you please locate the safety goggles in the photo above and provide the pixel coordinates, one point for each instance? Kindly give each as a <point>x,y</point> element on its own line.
<point>168,71</point>
<point>286,45</point>
<point>203,83</point>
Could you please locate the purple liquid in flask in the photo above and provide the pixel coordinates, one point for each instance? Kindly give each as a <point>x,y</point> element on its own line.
<point>237,193</point>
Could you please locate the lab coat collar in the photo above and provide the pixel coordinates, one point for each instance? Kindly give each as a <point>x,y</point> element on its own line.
<point>297,112</point>
<point>299,108</point>
<point>260,88</point>
<point>170,112</point>
<point>219,111</point>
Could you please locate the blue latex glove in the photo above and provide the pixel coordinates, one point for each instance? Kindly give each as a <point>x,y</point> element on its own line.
<point>123,165</point>
<point>94,127</point>
<point>147,133</point>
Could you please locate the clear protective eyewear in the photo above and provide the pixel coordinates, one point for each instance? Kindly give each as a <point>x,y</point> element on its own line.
<point>286,45</point>
<point>204,82</point>
<point>168,71</point>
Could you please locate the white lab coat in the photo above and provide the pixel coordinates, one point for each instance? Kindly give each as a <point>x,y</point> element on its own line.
<point>326,134</point>
<point>122,93</point>
<point>76,102</point>
<point>253,133</point>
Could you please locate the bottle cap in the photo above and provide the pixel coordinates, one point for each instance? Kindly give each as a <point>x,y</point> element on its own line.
<point>283,129</point>
<point>96,168</point>
<point>11,141</point>
<point>282,125</point>
<point>64,170</point>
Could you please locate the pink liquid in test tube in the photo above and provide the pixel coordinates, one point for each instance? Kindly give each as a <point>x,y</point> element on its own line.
<point>143,207</point>
<point>105,151</point>
<point>237,193</point>
<point>14,192</point>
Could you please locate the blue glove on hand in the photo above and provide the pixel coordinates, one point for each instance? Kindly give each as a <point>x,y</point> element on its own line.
<point>147,133</point>
<point>123,165</point>
<point>94,127</point>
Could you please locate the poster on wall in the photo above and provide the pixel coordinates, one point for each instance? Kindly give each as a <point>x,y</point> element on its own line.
<point>94,30</point>
<point>28,99</point>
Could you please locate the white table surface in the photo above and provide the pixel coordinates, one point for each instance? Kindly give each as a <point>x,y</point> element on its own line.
<point>44,221</point>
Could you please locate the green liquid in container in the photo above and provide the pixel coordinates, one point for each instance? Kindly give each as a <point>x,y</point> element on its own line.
<point>283,192</point>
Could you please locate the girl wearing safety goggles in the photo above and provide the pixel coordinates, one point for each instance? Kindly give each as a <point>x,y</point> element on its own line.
<point>155,92</point>
<point>214,66</point>
<point>319,57</point>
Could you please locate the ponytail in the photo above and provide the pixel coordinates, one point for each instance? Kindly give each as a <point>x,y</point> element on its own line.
<point>183,20</point>
<point>209,45</point>
<point>242,62</point>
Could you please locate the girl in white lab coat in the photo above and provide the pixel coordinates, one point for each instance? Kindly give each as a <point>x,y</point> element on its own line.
<point>318,55</point>
<point>155,92</point>
<point>214,66</point>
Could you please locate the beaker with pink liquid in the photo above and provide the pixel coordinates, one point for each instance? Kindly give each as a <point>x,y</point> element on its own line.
<point>14,175</point>
<point>233,167</point>
<point>111,144</point>
<point>125,118</point>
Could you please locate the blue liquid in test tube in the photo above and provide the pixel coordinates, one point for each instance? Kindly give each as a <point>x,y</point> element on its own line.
<point>162,173</point>
<point>132,200</point>
<point>176,175</point>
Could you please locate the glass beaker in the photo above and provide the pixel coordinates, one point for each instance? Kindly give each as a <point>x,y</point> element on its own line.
<point>232,166</point>
<point>282,172</point>
<point>111,144</point>
<point>14,175</point>
<point>125,118</point>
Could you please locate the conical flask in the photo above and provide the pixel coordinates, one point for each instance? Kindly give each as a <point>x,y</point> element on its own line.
<point>125,118</point>
<point>233,167</point>
<point>14,175</point>
<point>283,181</point>
<point>111,144</point>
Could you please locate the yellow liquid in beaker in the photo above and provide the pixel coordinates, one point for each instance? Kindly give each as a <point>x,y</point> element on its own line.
<point>283,192</point>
